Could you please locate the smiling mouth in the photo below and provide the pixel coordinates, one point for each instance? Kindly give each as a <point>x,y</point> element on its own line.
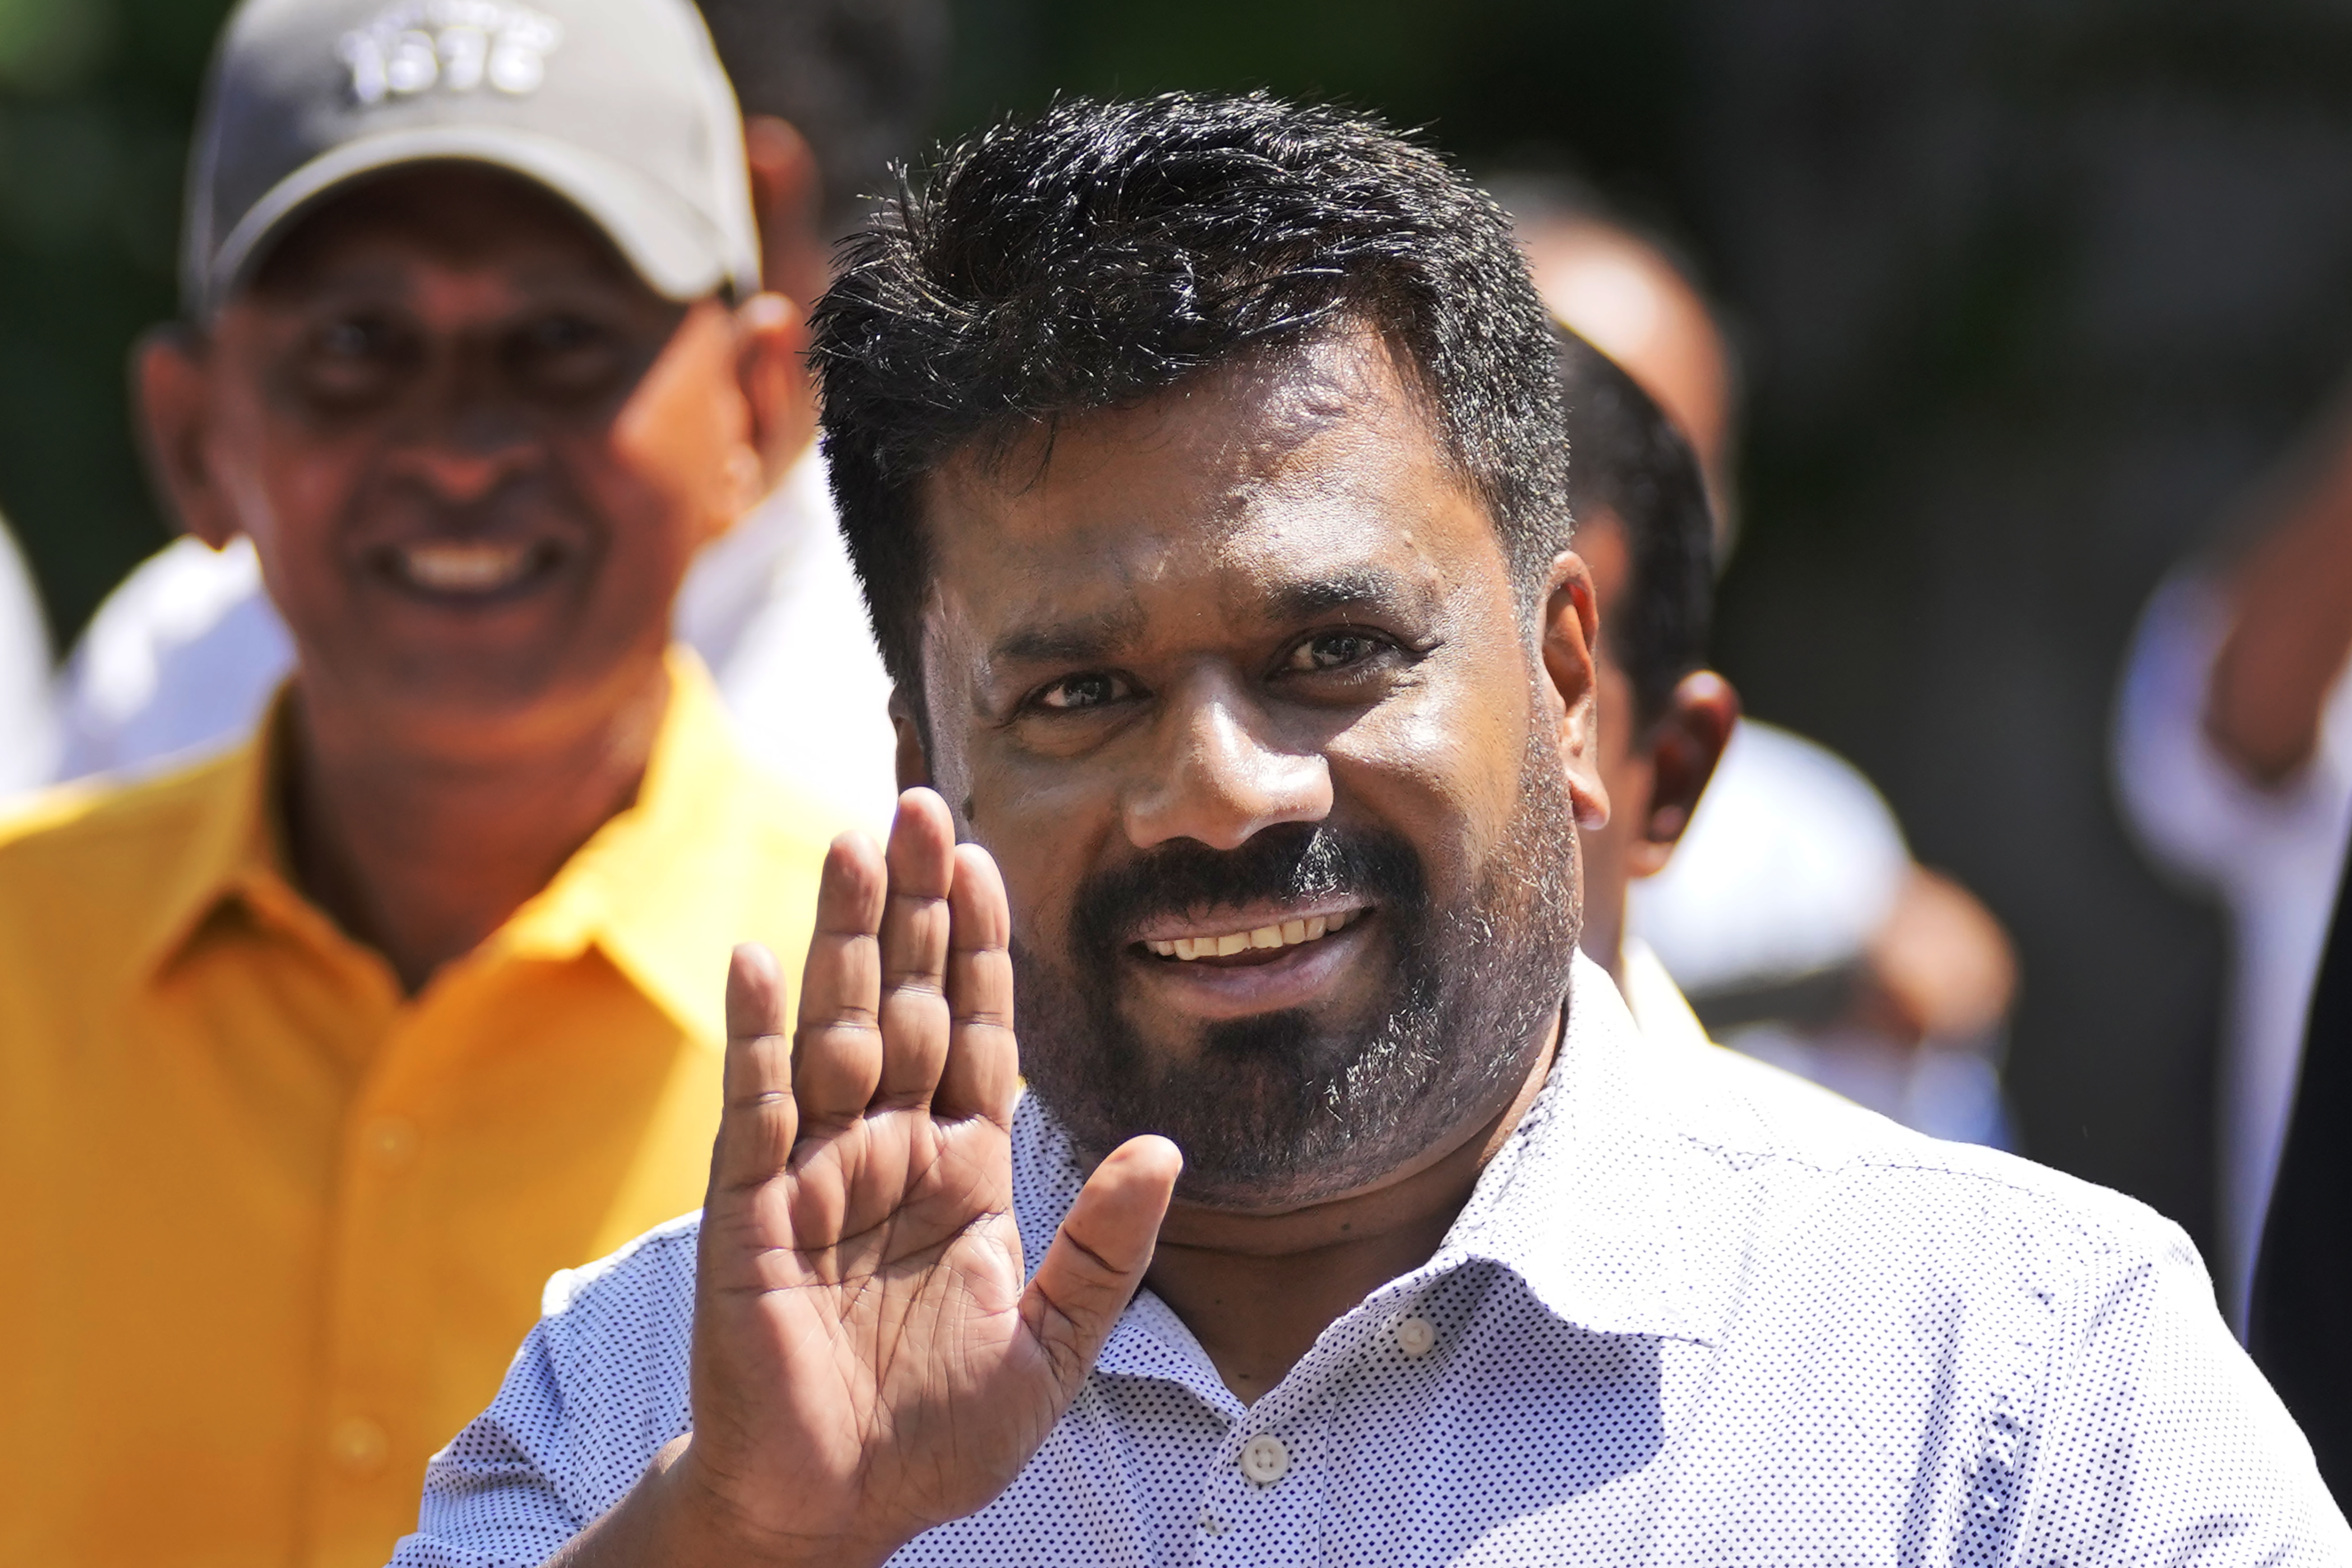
<point>1260,942</point>
<point>470,568</point>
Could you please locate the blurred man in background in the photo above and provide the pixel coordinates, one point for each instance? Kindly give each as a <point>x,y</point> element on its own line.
<point>184,655</point>
<point>1792,913</point>
<point>317,1059</point>
<point>2233,760</point>
<point>27,727</point>
<point>2235,753</point>
<point>1645,530</point>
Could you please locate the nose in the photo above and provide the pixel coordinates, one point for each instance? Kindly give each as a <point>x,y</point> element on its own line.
<point>464,439</point>
<point>1219,778</point>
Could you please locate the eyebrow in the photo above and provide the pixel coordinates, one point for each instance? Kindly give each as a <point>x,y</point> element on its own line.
<point>1352,586</point>
<point>1097,637</point>
<point>1069,643</point>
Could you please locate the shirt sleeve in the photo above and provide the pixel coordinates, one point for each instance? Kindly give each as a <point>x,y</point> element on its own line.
<point>2163,1442</point>
<point>597,1390</point>
<point>2194,811</point>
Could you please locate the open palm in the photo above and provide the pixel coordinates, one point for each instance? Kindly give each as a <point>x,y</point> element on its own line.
<point>867,1363</point>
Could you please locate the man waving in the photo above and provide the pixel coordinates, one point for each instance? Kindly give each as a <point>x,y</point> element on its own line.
<point>1201,459</point>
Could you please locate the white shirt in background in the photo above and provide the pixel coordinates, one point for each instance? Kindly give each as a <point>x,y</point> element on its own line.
<point>183,657</point>
<point>28,736</point>
<point>1791,865</point>
<point>2271,854</point>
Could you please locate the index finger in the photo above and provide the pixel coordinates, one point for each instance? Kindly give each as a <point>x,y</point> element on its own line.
<point>760,1118</point>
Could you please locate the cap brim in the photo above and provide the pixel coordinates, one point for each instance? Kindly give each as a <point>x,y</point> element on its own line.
<point>674,249</point>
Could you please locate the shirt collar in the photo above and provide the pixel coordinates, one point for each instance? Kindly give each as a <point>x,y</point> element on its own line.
<point>667,882</point>
<point>658,888</point>
<point>1588,1202</point>
<point>230,848</point>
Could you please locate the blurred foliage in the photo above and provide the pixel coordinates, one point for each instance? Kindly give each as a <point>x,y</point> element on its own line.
<point>96,97</point>
<point>1491,79</point>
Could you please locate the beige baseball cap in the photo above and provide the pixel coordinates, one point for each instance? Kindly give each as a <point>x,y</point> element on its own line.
<point>620,107</point>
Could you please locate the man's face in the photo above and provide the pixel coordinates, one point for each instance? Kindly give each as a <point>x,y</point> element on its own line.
<point>1235,686</point>
<point>474,451</point>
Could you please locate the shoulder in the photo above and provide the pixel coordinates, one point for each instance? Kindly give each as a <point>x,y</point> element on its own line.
<point>632,1304</point>
<point>60,838</point>
<point>90,876</point>
<point>1828,1177</point>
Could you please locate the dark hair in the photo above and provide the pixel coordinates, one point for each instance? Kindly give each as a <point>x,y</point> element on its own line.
<point>859,79</point>
<point>1102,253</point>
<point>1625,457</point>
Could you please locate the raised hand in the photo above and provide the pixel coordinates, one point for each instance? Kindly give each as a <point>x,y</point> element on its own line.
<point>867,1362</point>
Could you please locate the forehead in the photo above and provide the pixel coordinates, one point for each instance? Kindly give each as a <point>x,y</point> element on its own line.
<point>456,216</point>
<point>1244,494</point>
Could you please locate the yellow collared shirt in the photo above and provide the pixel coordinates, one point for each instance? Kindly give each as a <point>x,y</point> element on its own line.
<point>273,1229</point>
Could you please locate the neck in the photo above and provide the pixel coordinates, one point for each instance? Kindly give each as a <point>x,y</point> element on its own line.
<point>1604,941</point>
<point>422,854</point>
<point>1257,1289</point>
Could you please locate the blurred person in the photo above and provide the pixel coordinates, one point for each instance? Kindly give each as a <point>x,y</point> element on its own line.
<point>184,655</point>
<point>1898,981</point>
<point>319,1058</point>
<point>1797,924</point>
<point>1201,458</point>
<point>2233,763</point>
<point>2303,1277</point>
<point>1644,529</point>
<point>28,730</point>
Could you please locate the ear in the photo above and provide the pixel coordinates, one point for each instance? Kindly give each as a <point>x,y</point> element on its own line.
<point>171,390</point>
<point>1569,629</point>
<point>914,760</point>
<point>771,334</point>
<point>788,203</point>
<point>1685,745</point>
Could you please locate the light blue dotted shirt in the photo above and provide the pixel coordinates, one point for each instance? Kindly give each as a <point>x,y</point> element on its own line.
<point>1696,1312</point>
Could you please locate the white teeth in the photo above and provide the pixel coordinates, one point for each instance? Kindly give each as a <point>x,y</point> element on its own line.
<point>467,567</point>
<point>1288,933</point>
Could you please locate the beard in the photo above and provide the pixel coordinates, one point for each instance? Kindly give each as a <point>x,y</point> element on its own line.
<point>1297,1105</point>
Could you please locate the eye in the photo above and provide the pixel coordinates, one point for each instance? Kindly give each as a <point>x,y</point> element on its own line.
<point>560,334</point>
<point>565,354</point>
<point>1073,692</point>
<point>1340,650</point>
<point>352,359</point>
<point>352,339</point>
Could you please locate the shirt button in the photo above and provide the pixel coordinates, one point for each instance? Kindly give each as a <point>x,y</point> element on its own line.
<point>358,1445</point>
<point>390,1141</point>
<point>1265,1460</point>
<point>1417,1335</point>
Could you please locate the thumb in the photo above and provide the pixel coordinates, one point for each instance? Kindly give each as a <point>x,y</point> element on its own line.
<point>1099,1256</point>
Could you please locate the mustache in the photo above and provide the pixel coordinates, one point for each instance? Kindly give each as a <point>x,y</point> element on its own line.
<point>1288,862</point>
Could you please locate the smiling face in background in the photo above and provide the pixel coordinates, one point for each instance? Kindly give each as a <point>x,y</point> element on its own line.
<point>475,452</point>
<point>1235,685</point>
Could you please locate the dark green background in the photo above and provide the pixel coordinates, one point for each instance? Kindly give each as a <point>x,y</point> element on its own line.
<point>2025,291</point>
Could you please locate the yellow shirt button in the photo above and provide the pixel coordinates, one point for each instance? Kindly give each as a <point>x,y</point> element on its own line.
<point>358,1445</point>
<point>390,1141</point>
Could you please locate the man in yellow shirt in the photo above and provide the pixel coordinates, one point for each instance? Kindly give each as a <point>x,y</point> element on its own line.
<point>315,1062</point>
